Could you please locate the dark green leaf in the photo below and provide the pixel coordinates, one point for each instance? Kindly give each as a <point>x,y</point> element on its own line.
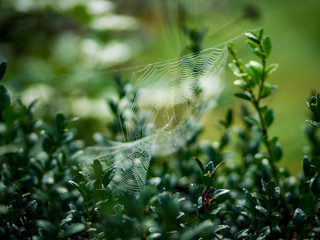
<point>250,199</point>
<point>229,117</point>
<point>203,229</point>
<point>273,142</point>
<point>220,227</point>
<point>60,122</point>
<point>277,152</point>
<point>209,168</point>
<point>243,234</point>
<point>316,163</point>
<point>264,232</point>
<point>274,219</point>
<point>299,219</point>
<point>315,110</point>
<point>261,33</point>
<point>65,138</point>
<point>245,96</point>
<point>3,67</point>
<point>32,206</point>
<point>199,164</point>
<point>164,198</point>
<point>91,230</point>
<point>266,170</point>
<point>97,168</point>
<point>306,167</point>
<point>4,98</point>
<point>113,106</point>
<point>101,203</point>
<point>270,187</point>
<point>262,210</point>
<point>107,177</point>
<point>269,117</point>
<point>207,180</point>
<point>232,51</point>
<point>74,228</point>
<point>276,194</point>
<point>267,46</point>
<point>47,226</point>
<point>313,101</point>
<point>48,143</point>
<point>74,184</point>
<point>306,203</point>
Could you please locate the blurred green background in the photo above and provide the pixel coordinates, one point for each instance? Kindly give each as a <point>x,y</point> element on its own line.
<point>64,52</point>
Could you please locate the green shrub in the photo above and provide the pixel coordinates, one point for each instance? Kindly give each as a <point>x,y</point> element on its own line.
<point>47,194</point>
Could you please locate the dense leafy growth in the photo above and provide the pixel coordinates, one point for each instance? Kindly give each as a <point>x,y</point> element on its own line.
<point>232,189</point>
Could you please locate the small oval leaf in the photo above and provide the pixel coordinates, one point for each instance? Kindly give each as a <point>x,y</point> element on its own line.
<point>220,192</point>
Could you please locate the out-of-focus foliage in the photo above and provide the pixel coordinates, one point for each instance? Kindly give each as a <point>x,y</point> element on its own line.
<point>59,51</point>
<point>201,191</point>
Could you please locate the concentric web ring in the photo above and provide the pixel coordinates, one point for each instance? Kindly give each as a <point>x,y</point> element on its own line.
<point>167,94</point>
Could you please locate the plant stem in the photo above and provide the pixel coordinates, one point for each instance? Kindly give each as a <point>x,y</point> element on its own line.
<point>256,104</point>
<point>264,130</point>
<point>263,75</point>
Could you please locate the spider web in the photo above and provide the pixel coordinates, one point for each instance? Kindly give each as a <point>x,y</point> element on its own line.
<point>158,114</point>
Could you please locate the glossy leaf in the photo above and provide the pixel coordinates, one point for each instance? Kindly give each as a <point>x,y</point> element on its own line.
<point>32,206</point>
<point>299,219</point>
<point>220,192</point>
<point>252,37</point>
<point>254,70</point>
<point>276,194</point>
<point>262,210</point>
<point>240,83</point>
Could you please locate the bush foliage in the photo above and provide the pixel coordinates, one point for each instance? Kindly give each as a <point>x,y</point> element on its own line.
<point>232,189</point>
